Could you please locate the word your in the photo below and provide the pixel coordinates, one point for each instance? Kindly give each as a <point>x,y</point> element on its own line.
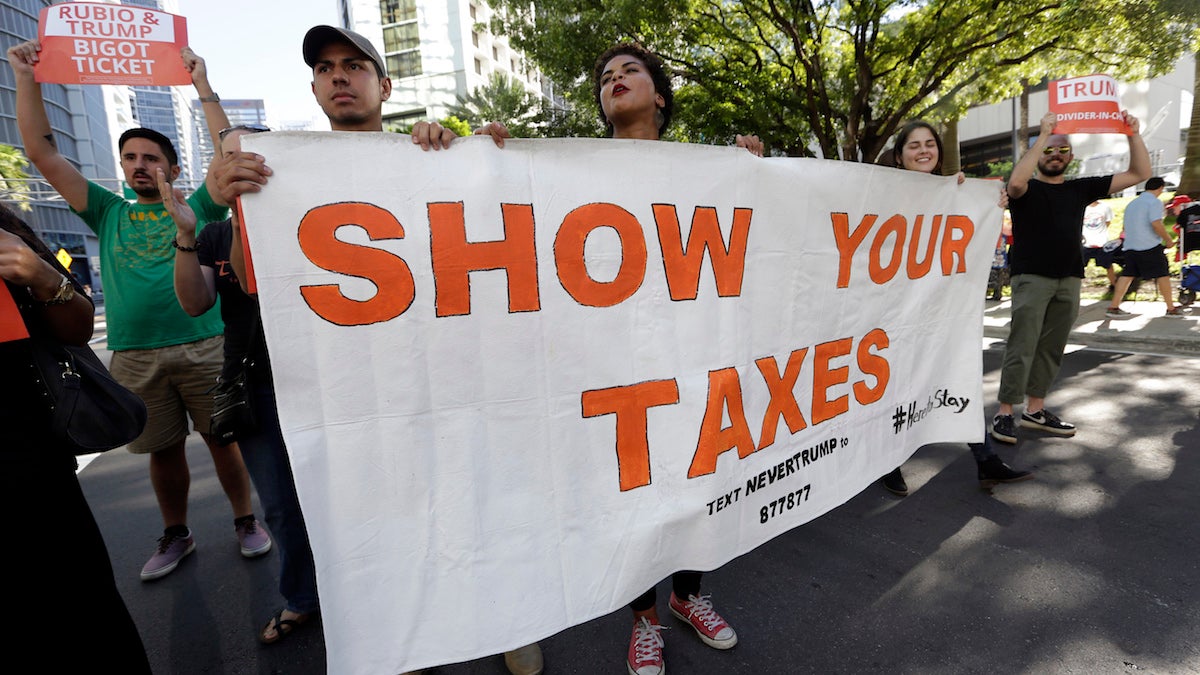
<point>454,258</point>
<point>891,236</point>
<point>829,397</point>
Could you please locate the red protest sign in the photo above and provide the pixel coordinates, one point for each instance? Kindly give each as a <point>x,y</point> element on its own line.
<point>94,43</point>
<point>12,326</point>
<point>1087,105</point>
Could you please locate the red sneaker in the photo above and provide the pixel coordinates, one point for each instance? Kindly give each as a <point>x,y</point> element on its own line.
<point>698,611</point>
<point>646,649</point>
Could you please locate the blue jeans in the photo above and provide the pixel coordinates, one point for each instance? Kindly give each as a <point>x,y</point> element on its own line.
<point>267,462</point>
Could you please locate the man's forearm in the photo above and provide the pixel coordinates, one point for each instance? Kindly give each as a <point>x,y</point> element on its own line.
<point>32,121</point>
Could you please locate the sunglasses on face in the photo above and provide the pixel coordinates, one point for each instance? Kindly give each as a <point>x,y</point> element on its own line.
<point>252,128</point>
<point>1065,149</point>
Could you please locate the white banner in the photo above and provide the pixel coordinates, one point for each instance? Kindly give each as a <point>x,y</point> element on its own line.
<point>519,387</point>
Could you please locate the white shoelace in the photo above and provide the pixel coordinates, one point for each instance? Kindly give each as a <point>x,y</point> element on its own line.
<point>647,643</point>
<point>701,608</point>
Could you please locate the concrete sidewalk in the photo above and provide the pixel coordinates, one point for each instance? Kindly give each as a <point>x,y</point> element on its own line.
<point>1145,330</point>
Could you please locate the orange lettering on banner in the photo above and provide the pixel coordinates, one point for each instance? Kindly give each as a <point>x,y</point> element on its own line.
<point>954,241</point>
<point>880,273</point>
<point>682,266</point>
<point>454,258</point>
<point>956,246</point>
<point>783,399</point>
<point>724,394</point>
<point>919,268</point>
<point>848,242</point>
<point>629,404</point>
<point>873,365</point>
<point>572,267</point>
<point>824,377</point>
<point>394,284</point>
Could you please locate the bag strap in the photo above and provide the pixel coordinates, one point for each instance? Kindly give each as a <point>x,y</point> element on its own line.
<point>65,406</point>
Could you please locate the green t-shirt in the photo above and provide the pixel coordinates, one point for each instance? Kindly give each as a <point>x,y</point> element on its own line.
<point>137,264</point>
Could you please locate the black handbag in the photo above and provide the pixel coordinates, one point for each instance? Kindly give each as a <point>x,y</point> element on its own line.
<point>91,412</point>
<point>233,415</point>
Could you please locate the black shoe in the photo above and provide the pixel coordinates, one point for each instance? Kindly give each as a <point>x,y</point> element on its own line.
<point>992,471</point>
<point>894,482</point>
<point>1003,429</point>
<point>1048,422</point>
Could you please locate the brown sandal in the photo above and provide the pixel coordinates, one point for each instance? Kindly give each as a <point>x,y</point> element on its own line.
<point>281,626</point>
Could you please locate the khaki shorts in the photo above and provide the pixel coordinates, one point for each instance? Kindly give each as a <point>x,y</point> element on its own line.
<point>175,382</point>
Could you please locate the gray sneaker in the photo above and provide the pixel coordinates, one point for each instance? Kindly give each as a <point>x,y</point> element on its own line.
<point>170,550</point>
<point>1048,422</point>
<point>1003,429</point>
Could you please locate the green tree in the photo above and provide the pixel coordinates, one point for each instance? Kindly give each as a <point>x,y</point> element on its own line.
<point>502,99</point>
<point>1187,13</point>
<point>13,185</point>
<point>837,78</point>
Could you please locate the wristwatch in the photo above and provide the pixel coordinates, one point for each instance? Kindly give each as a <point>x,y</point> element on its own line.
<point>64,294</point>
<point>211,99</point>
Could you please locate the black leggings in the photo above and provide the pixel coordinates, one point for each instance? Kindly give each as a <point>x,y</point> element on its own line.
<point>682,583</point>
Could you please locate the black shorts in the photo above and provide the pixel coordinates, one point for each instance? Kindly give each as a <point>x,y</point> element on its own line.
<point>1149,264</point>
<point>1103,258</point>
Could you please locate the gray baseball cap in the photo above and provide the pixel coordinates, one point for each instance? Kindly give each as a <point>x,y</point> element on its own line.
<point>319,36</point>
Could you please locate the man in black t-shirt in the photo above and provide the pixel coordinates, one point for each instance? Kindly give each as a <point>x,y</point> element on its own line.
<point>1047,269</point>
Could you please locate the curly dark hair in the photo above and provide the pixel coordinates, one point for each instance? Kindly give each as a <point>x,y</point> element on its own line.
<point>662,82</point>
<point>902,138</point>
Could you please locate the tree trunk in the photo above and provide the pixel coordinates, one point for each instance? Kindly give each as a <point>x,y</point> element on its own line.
<point>1189,181</point>
<point>952,161</point>
<point>1023,122</point>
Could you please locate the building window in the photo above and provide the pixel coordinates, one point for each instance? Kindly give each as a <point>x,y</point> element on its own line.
<point>495,53</point>
<point>475,38</point>
<point>404,120</point>
<point>473,12</point>
<point>400,38</point>
<point>405,64</point>
<point>478,67</point>
<point>395,11</point>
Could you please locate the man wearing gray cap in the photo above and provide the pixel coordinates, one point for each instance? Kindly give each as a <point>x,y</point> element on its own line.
<point>350,83</point>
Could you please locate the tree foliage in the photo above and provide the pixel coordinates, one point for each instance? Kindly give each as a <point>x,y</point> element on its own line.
<point>502,99</point>
<point>837,78</point>
<point>13,186</point>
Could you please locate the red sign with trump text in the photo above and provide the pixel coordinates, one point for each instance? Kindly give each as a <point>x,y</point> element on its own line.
<point>1087,105</point>
<point>94,43</point>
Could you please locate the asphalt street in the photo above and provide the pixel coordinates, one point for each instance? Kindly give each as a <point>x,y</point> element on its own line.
<point>1091,568</point>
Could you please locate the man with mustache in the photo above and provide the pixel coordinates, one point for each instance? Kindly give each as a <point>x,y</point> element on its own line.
<point>166,357</point>
<point>1047,269</point>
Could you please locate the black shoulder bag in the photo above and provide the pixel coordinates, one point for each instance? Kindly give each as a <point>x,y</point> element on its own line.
<point>91,412</point>
<point>233,415</point>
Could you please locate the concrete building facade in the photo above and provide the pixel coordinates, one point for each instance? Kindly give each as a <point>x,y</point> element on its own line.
<point>81,122</point>
<point>436,52</point>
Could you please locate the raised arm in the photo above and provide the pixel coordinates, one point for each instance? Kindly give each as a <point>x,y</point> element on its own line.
<point>35,130</point>
<point>214,115</point>
<point>1018,182</point>
<point>195,284</point>
<point>1139,158</point>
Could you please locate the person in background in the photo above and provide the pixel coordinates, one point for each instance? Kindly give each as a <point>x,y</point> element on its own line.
<point>1146,241</point>
<point>209,265</point>
<point>918,147</point>
<point>1047,267</point>
<point>166,357</point>
<point>1096,219</point>
<point>40,491</point>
